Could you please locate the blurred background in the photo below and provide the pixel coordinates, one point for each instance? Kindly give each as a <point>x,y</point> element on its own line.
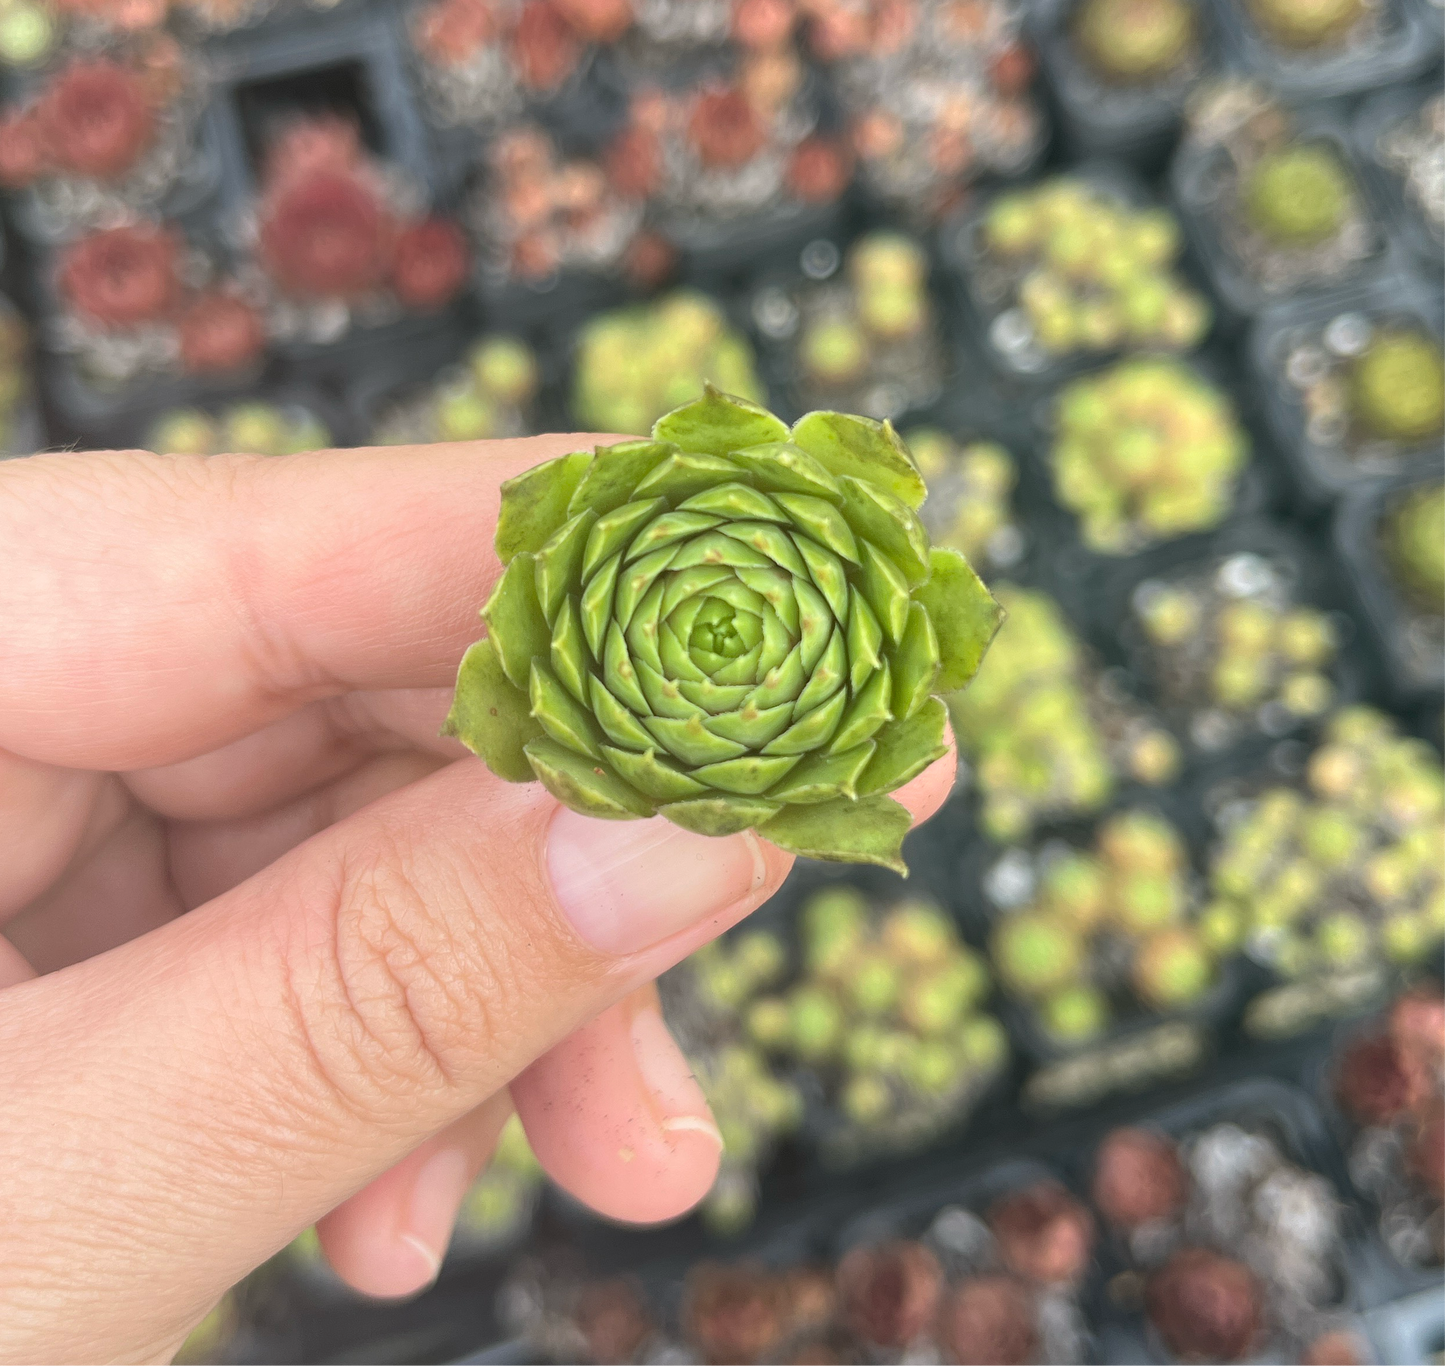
<point>1144,1062</point>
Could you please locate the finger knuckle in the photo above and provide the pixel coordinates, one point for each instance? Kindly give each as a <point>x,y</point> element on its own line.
<point>410,1000</point>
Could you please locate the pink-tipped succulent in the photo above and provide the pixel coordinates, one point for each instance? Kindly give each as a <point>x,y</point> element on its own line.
<point>432,261</point>
<point>545,47</point>
<point>219,333</point>
<point>22,150</point>
<point>327,235</point>
<point>598,21</point>
<point>763,24</point>
<point>633,162</point>
<point>452,32</point>
<point>819,170</point>
<point>121,277</point>
<point>96,120</point>
<point>724,130</point>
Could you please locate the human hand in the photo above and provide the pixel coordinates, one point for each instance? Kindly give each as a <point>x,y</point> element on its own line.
<point>297,955</point>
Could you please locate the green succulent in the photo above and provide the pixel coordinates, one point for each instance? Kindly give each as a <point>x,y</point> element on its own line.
<point>1093,273</point>
<point>1347,872</point>
<point>1307,23</point>
<point>505,369</point>
<point>1036,953</point>
<point>256,426</point>
<point>1415,544</point>
<point>1075,1014</point>
<point>1397,387</point>
<point>1173,968</point>
<point>27,33</point>
<point>1145,450</point>
<point>636,364</point>
<point>1136,42</point>
<point>1299,195</point>
<point>732,625</point>
<point>968,490</point>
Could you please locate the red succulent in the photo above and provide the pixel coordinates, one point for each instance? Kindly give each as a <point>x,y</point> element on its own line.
<point>1138,1178</point>
<point>22,150</point>
<point>1043,1233</point>
<point>220,332</point>
<point>633,163</point>
<point>733,1313</point>
<point>889,1293</point>
<point>763,23</point>
<point>450,32</point>
<point>1370,1084</point>
<point>327,235</point>
<point>327,143</point>
<point>432,261</point>
<point>819,170</point>
<point>724,130</point>
<point>1205,1306</point>
<point>649,260</point>
<point>599,21</point>
<point>1012,69</point>
<point>119,277</point>
<point>545,50</point>
<point>988,1321</point>
<point>95,119</point>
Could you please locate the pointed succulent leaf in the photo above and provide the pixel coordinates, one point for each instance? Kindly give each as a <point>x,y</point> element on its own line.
<point>868,712</point>
<point>781,467</point>
<point>615,471</point>
<point>821,777</point>
<point>559,562</point>
<point>615,530</point>
<point>516,624</point>
<point>875,515</point>
<point>535,503</point>
<point>735,502</point>
<point>560,714</point>
<point>652,775</point>
<point>720,815</point>
<point>914,663</point>
<point>490,716</point>
<point>749,776</point>
<point>683,474</point>
<point>863,449</point>
<point>718,423</point>
<point>585,785</point>
<point>869,830</point>
<point>965,617</point>
<point>906,748</point>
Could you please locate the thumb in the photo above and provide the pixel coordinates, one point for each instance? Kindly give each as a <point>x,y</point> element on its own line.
<point>179,1108</point>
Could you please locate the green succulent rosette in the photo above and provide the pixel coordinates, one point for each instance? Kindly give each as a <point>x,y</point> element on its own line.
<point>731,624</point>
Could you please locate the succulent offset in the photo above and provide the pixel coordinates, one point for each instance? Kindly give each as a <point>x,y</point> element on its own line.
<point>1145,450</point>
<point>1119,914</point>
<point>731,624</point>
<point>1414,546</point>
<point>1347,872</point>
<point>1079,271</point>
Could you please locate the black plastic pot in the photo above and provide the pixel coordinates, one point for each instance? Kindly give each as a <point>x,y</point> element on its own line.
<point>1137,124</point>
<point>1407,636</point>
<point>1401,48</point>
<point>1321,472</point>
<point>1203,182</point>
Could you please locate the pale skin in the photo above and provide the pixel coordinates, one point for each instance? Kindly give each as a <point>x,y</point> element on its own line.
<point>273,952</point>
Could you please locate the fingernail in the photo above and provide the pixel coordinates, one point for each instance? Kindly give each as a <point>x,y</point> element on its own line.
<point>675,1094</point>
<point>436,1196</point>
<point>626,885</point>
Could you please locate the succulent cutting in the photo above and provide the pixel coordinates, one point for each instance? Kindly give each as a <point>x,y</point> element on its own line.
<point>732,624</point>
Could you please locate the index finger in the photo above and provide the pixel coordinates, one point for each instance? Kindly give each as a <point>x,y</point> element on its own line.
<point>154,607</point>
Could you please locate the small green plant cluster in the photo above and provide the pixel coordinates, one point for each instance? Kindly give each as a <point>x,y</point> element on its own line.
<point>885,306</point>
<point>1031,726</point>
<point>488,395</point>
<point>254,427</point>
<point>1414,543</point>
<point>1298,196</point>
<point>14,376</point>
<point>1237,653</point>
<point>1397,386</point>
<point>968,496</point>
<point>753,1104</point>
<point>887,1010</point>
<point>883,1008</point>
<point>1348,871</point>
<point>1116,920</point>
<point>500,1202</point>
<point>1136,42</point>
<point>635,364</point>
<point>29,32</point>
<point>1090,273</point>
<point>1308,25</point>
<point>1144,451</point>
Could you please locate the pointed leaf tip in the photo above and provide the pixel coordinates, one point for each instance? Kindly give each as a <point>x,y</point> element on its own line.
<point>491,717</point>
<point>869,830</point>
<point>965,617</point>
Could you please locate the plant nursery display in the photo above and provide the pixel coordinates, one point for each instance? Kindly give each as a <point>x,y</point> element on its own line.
<point>734,624</point>
<point>1045,736</point>
<point>1145,451</point>
<point>1068,269</point>
<point>636,363</point>
<point>968,506</point>
<point>490,392</point>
